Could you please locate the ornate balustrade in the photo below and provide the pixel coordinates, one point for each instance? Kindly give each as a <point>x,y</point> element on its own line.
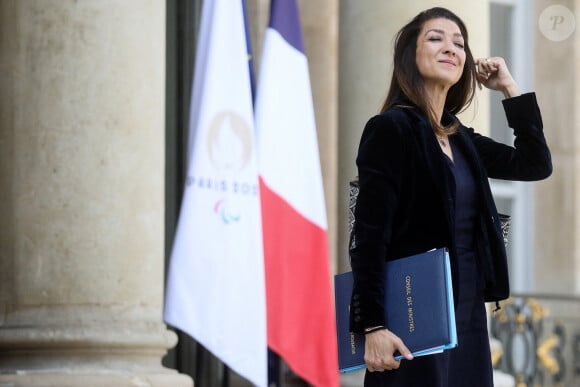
<point>540,336</point>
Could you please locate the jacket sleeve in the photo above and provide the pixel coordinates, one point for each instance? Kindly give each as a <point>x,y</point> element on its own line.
<point>379,162</point>
<point>529,159</point>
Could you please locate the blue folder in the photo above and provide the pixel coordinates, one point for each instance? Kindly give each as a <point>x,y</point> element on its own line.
<point>418,304</point>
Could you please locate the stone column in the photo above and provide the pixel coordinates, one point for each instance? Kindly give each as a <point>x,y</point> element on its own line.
<point>320,22</point>
<point>82,194</point>
<point>557,213</point>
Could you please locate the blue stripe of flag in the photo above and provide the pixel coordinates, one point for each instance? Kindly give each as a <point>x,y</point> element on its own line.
<point>284,18</point>
<point>249,46</point>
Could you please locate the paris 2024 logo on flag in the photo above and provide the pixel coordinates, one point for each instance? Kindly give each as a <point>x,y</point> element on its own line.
<point>229,150</point>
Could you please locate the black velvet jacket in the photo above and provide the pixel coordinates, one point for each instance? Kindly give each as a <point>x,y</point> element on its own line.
<point>406,200</point>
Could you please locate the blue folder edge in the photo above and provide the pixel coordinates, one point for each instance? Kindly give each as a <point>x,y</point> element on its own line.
<point>452,327</point>
<point>355,368</point>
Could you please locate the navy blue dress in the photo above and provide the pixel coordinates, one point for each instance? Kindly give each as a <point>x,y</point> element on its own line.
<point>469,364</point>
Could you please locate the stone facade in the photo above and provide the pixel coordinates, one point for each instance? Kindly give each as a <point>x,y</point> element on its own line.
<point>82,147</point>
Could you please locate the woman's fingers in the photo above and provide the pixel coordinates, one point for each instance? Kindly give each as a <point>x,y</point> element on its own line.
<point>379,349</point>
<point>487,66</point>
<point>402,348</point>
<point>494,74</point>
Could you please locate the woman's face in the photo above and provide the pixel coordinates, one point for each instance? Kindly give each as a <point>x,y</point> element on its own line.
<point>440,53</point>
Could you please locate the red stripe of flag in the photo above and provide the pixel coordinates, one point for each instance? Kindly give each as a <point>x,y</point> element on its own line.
<point>301,325</point>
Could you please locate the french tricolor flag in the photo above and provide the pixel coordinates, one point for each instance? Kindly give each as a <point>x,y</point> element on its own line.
<point>300,308</point>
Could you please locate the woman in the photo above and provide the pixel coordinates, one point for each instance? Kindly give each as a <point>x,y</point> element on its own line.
<point>423,180</point>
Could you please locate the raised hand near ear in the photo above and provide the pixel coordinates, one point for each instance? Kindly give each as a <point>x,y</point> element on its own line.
<point>494,74</point>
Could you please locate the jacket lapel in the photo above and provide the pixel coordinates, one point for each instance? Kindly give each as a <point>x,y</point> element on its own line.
<point>439,169</point>
<point>471,155</point>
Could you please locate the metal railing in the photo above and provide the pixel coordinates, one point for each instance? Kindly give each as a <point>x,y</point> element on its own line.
<point>540,337</point>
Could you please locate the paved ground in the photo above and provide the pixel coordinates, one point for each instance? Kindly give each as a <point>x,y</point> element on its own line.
<point>349,379</point>
<point>352,379</point>
<point>355,379</point>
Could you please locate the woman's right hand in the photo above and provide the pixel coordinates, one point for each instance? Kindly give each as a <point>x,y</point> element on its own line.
<point>379,349</point>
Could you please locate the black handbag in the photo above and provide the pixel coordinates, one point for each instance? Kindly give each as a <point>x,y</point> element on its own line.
<point>505,220</point>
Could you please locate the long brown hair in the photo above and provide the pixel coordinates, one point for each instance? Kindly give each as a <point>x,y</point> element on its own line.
<point>408,83</point>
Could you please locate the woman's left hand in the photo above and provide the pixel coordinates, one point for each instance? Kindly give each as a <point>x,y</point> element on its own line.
<point>494,74</point>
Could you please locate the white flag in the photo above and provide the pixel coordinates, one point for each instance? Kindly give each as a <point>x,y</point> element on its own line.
<point>215,289</point>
